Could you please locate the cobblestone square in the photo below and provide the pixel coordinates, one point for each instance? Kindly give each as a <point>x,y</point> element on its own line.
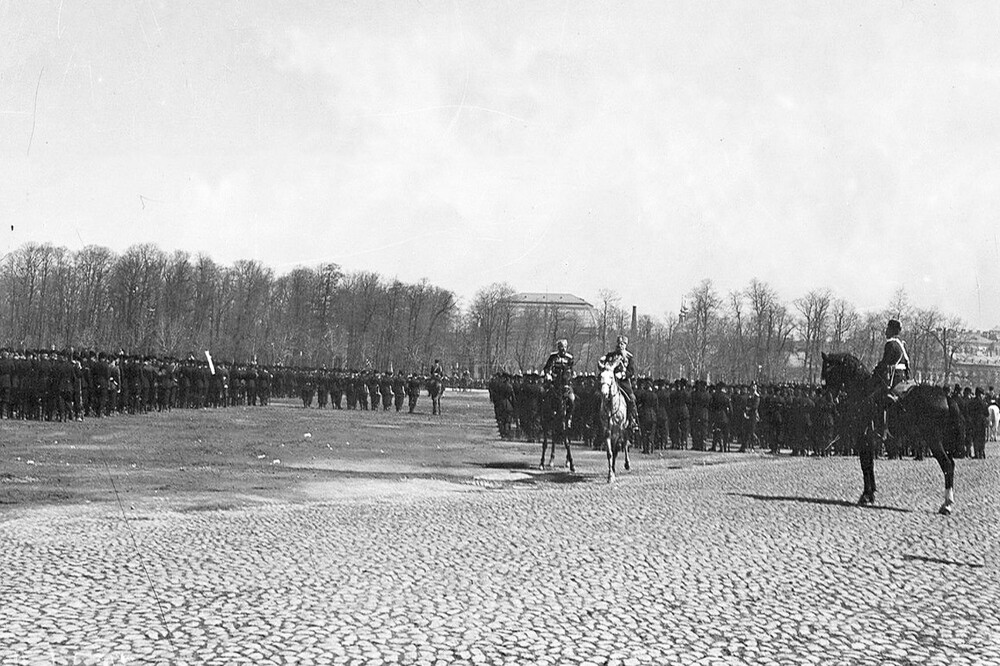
<point>750,560</point>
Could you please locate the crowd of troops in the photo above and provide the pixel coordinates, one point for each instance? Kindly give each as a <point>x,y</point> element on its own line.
<point>69,385</point>
<point>364,390</point>
<point>681,414</point>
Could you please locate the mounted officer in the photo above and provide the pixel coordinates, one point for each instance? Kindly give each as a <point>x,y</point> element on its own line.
<point>559,370</point>
<point>621,359</point>
<point>890,371</point>
<point>894,367</point>
<point>559,367</point>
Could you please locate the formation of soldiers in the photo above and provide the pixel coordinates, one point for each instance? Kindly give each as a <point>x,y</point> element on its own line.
<point>69,385</point>
<point>681,414</point>
<point>364,390</point>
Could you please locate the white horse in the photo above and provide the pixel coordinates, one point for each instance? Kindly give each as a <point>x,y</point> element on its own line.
<point>994,422</point>
<point>613,420</point>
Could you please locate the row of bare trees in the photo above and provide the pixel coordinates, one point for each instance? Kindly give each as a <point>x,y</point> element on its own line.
<point>147,301</point>
<point>746,334</point>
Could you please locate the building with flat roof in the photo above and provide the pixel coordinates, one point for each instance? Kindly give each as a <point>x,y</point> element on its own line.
<point>541,318</point>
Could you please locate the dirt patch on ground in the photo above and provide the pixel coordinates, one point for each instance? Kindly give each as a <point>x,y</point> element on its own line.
<point>282,452</point>
<point>361,489</point>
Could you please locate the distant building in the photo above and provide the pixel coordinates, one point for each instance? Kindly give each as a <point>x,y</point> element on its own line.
<point>542,318</point>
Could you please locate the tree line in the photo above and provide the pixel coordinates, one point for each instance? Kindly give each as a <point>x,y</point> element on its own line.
<point>748,334</point>
<point>145,300</point>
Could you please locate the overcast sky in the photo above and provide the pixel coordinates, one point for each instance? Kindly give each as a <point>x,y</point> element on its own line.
<point>560,147</point>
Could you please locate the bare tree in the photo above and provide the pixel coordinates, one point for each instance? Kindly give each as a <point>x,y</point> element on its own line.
<point>814,309</point>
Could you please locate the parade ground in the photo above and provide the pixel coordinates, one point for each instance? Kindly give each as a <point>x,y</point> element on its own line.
<point>280,535</point>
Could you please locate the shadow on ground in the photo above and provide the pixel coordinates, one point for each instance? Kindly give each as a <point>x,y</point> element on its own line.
<point>815,500</point>
<point>501,465</point>
<point>938,560</point>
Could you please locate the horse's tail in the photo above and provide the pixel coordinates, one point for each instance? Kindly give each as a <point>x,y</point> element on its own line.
<point>955,431</point>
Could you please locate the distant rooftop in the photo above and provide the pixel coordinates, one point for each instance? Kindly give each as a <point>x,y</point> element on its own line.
<point>538,298</point>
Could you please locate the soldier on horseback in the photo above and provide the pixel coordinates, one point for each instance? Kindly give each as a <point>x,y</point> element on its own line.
<point>559,370</point>
<point>559,367</point>
<point>895,364</point>
<point>891,370</point>
<point>624,367</point>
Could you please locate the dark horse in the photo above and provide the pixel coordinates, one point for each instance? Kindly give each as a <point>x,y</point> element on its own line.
<point>557,414</point>
<point>435,387</point>
<point>922,412</point>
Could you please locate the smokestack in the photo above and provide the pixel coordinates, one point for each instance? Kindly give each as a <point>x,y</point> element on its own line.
<point>635,326</point>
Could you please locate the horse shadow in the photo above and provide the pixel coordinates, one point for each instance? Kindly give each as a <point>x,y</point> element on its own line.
<point>506,464</point>
<point>556,476</point>
<point>938,560</point>
<point>815,500</point>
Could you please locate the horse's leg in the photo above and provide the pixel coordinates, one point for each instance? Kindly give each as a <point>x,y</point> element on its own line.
<point>628,463</point>
<point>552,448</point>
<point>866,455</point>
<point>545,442</point>
<point>569,454</point>
<point>611,456</point>
<point>947,464</point>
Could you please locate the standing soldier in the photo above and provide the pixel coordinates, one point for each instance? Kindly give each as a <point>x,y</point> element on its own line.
<point>413,391</point>
<point>6,383</point>
<point>662,414</point>
<point>399,390</point>
<point>700,402</point>
<point>680,415</point>
<point>979,421</point>
<point>721,409</point>
<point>385,390</point>
<point>751,413</point>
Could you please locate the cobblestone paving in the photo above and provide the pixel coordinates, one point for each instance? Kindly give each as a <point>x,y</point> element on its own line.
<point>761,561</point>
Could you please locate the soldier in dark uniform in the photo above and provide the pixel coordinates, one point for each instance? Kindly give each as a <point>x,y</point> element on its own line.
<point>621,359</point>
<point>6,383</point>
<point>662,414</point>
<point>373,394</point>
<point>751,412</point>
<point>646,407</point>
<point>559,370</point>
<point>350,392</point>
<point>979,421</point>
<point>399,390</point>
<point>412,391</point>
<point>721,407</point>
<point>307,388</point>
<point>385,390</point>
<point>680,415</point>
<point>892,368</point>
<point>700,402</point>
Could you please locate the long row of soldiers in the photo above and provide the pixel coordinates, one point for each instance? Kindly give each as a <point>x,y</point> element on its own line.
<point>716,417</point>
<point>359,390</point>
<point>68,385</point>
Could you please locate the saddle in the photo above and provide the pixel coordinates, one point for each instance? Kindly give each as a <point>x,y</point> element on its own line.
<point>902,388</point>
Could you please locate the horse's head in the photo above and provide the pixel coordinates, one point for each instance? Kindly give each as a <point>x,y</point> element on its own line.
<point>842,370</point>
<point>608,382</point>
